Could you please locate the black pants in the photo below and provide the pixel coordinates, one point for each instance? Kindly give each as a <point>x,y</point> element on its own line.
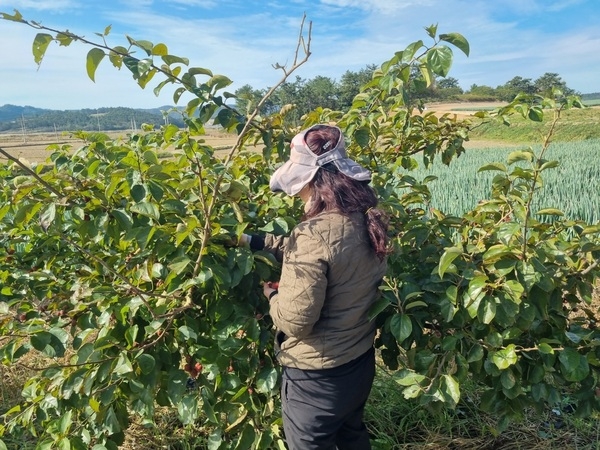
<point>323,409</point>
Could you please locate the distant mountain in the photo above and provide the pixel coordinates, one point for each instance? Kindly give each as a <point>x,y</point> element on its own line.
<point>591,96</point>
<point>16,118</point>
<point>12,112</point>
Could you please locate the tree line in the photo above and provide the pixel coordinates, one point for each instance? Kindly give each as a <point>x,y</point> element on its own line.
<point>326,92</point>
<point>304,94</point>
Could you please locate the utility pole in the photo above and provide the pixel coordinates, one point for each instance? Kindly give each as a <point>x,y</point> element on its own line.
<point>23,127</point>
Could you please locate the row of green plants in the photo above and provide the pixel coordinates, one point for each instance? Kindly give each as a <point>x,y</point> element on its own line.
<point>571,187</point>
<point>117,270</point>
<point>576,125</point>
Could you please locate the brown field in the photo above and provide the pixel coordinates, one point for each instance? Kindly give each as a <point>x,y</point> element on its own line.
<point>33,147</point>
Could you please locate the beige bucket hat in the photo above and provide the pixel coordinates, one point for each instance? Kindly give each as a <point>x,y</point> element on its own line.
<point>303,165</point>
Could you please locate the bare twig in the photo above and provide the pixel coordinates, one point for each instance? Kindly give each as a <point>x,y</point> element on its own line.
<point>589,268</point>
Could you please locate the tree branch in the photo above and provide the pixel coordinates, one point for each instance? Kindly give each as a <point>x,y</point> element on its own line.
<point>30,172</point>
<point>237,145</point>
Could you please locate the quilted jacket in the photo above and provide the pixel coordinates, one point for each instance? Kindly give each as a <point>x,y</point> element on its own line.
<point>329,280</point>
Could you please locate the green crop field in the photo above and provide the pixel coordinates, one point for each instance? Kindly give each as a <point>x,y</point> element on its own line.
<point>573,187</point>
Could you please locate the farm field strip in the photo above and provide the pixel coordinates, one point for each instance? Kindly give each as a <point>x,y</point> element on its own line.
<point>573,187</point>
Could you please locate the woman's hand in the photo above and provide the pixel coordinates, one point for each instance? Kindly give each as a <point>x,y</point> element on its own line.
<point>270,288</point>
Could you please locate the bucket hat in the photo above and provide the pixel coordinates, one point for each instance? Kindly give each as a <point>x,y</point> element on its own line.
<point>303,164</point>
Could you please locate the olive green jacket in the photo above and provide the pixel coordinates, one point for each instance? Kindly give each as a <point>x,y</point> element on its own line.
<point>329,280</point>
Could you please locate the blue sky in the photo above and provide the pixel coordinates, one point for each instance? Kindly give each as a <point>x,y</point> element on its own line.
<point>242,39</point>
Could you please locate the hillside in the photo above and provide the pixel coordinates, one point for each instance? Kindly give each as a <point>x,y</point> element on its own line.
<point>30,119</point>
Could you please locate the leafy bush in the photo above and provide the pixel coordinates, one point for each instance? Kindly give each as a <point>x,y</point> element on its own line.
<point>118,266</point>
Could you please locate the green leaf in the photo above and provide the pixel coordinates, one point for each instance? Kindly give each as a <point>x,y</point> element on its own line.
<point>188,409</point>
<point>171,59</point>
<point>246,439</point>
<point>408,377</point>
<point>123,218</point>
<point>146,209</point>
<point>550,212</point>
<point>439,60</point>
<point>122,365</point>
<point>199,71</point>
<point>536,114</point>
<point>17,17</point>
<point>546,349</point>
<point>452,294</point>
<point>48,215</point>
<point>476,353</point>
<point>475,293</point>
<point>111,422</point>
<point>411,49</point>
<point>451,389</point>
<point>450,254</point>
<point>514,289</point>
<point>496,252</point>
<point>94,57</point>
<point>505,358</point>
<point>487,310</point>
<point>362,137</point>
<point>179,264</point>
<point>508,379</point>
<point>266,380</point>
<point>458,40</point>
<point>379,306</point>
<point>50,343</point>
<point>401,327</point>
<point>116,56</point>
<point>160,50</point>
<point>131,334</point>
<point>493,166</point>
<point>138,192</point>
<point>520,155</point>
<point>431,30</point>
<point>218,82</point>
<point>574,366</point>
<point>40,45</point>
<point>549,165</point>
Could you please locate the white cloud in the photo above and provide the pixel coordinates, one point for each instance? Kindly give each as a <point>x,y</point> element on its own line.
<point>200,3</point>
<point>39,5</point>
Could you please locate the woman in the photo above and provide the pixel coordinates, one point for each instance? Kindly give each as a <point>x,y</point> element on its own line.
<point>333,263</point>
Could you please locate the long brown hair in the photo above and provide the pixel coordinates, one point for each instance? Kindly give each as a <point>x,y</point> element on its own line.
<point>334,191</point>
